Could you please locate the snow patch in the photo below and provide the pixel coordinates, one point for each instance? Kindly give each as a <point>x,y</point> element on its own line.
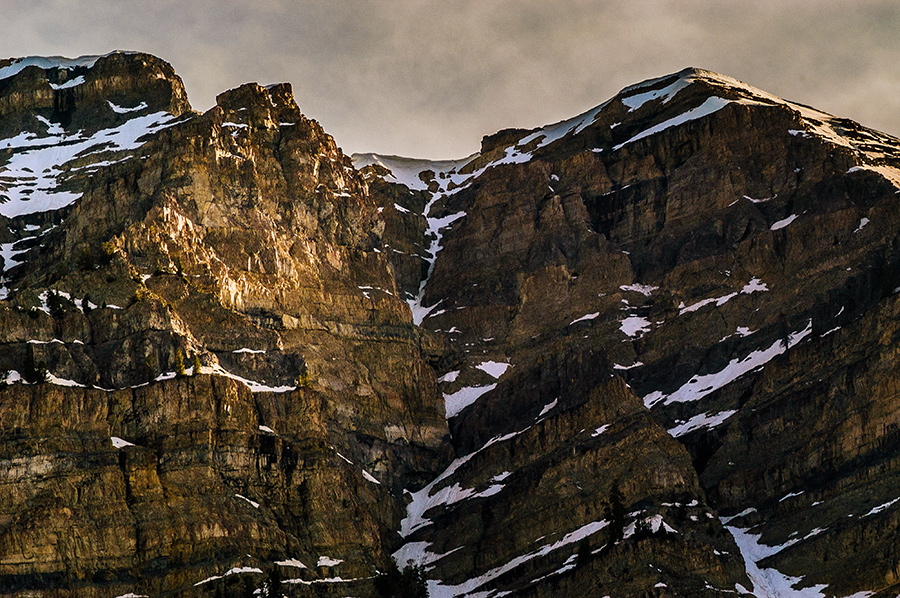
<point>882,507</point>
<point>711,105</point>
<point>618,366</point>
<point>667,93</point>
<point>643,289</point>
<point>719,301</point>
<point>70,83</point>
<point>48,63</point>
<point>436,589</point>
<point>327,561</point>
<point>600,430</point>
<point>790,495</point>
<point>769,583</point>
<point>656,524</point>
<point>121,110</point>
<point>449,376</point>
<point>455,402</point>
<point>252,503</point>
<point>699,386</point>
<point>120,443</point>
<point>253,385</point>
<point>423,500</point>
<point>754,286</point>
<point>889,173</point>
<point>494,368</point>
<point>635,326</point>
<point>33,176</point>
<point>413,553</point>
<point>547,408</point>
<point>585,318</point>
<point>783,223</point>
<point>702,421</point>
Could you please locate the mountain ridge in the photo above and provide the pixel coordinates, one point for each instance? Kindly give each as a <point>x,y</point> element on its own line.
<point>233,355</point>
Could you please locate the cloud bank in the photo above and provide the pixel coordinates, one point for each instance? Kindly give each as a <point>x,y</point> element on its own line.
<point>429,78</point>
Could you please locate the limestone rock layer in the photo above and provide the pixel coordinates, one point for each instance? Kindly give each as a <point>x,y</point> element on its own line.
<point>647,351</point>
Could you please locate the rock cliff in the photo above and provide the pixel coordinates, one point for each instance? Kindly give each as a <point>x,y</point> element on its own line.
<point>647,351</point>
<point>231,371</point>
<point>730,257</point>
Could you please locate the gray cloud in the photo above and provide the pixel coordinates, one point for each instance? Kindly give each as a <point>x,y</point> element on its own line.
<point>429,78</point>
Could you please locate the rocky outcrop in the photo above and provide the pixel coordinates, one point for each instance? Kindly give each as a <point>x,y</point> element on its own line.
<point>732,255</point>
<point>647,351</point>
<point>238,247</point>
<point>154,489</point>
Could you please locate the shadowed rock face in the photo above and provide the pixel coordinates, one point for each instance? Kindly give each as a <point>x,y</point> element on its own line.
<point>732,256</point>
<point>662,332</point>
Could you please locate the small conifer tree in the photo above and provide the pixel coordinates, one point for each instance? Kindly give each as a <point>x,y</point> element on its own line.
<point>150,362</point>
<point>34,373</point>
<point>616,514</point>
<point>409,583</point>
<point>179,363</point>
<point>272,588</point>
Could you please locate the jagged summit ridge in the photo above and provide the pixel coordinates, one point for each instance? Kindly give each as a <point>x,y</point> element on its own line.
<point>647,103</point>
<point>713,239</point>
<point>67,118</point>
<point>633,116</point>
<point>214,279</point>
<point>13,66</point>
<point>662,332</point>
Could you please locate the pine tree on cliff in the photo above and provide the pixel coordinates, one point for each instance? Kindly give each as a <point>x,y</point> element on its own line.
<point>409,583</point>
<point>179,363</point>
<point>34,373</point>
<point>272,586</point>
<point>615,513</point>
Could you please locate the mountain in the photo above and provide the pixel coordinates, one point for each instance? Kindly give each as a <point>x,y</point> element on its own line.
<point>647,351</point>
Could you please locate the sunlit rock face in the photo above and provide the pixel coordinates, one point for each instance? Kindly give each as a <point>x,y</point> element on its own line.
<point>231,370</point>
<point>646,351</point>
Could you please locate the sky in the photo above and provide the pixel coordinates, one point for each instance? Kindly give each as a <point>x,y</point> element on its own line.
<point>429,78</point>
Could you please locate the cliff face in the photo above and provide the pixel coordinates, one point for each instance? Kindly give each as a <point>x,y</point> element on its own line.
<point>241,248</point>
<point>646,351</point>
<point>732,256</point>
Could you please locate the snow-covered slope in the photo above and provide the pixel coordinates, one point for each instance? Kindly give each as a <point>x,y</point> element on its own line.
<point>40,163</point>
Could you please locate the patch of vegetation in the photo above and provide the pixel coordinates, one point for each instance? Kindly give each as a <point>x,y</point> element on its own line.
<point>179,363</point>
<point>58,304</point>
<point>615,513</point>
<point>34,372</point>
<point>304,380</point>
<point>409,583</point>
<point>150,363</point>
<point>272,586</point>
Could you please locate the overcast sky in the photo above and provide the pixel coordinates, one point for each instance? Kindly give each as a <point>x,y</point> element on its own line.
<point>429,78</point>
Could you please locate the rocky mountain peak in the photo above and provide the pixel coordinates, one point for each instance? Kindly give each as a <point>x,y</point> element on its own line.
<point>645,351</point>
<point>89,86</point>
<point>700,231</point>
